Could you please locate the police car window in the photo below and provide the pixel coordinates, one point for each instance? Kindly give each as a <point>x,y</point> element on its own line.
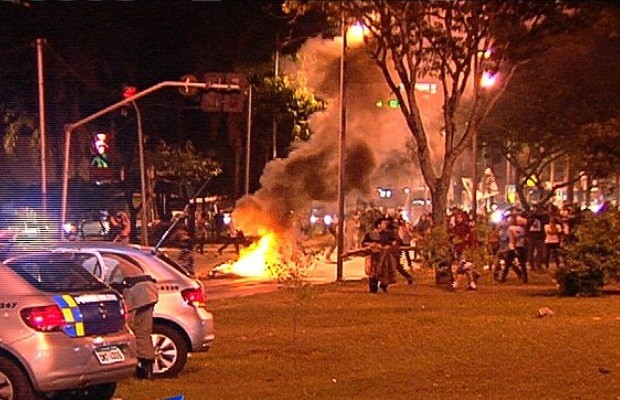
<point>119,267</point>
<point>55,274</point>
<point>91,264</point>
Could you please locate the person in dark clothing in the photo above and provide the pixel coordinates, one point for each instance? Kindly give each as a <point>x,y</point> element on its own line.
<point>535,237</point>
<point>516,249</point>
<point>381,263</point>
<point>235,237</point>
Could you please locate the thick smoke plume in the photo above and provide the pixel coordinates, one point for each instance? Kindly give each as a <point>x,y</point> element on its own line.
<point>377,144</point>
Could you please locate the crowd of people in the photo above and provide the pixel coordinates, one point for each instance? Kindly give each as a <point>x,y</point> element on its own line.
<point>522,241</point>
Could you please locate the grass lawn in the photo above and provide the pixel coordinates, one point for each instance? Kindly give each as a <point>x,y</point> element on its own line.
<point>423,342</point>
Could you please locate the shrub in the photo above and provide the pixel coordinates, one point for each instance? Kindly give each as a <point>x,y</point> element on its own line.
<point>593,259</point>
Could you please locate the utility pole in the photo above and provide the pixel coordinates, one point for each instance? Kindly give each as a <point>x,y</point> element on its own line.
<point>342,142</point>
<point>276,73</point>
<point>42,135</point>
<point>248,142</point>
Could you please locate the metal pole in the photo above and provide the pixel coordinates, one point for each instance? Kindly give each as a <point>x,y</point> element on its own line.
<point>276,72</point>
<point>144,233</point>
<point>42,134</point>
<point>248,143</point>
<point>474,172</point>
<point>65,182</point>
<point>341,150</point>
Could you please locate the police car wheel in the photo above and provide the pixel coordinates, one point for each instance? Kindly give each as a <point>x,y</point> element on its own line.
<point>170,351</point>
<point>14,384</point>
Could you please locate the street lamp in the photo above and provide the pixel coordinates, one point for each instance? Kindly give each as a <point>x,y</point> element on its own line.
<point>487,80</point>
<point>356,33</point>
<point>248,141</point>
<point>342,138</point>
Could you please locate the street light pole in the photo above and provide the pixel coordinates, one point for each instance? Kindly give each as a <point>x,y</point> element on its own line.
<point>276,73</point>
<point>42,134</point>
<point>144,233</point>
<point>248,142</point>
<point>341,150</point>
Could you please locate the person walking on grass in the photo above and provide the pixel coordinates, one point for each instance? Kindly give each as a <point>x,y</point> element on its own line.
<point>517,249</point>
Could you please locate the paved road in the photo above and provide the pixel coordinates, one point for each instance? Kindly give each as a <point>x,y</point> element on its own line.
<point>222,286</point>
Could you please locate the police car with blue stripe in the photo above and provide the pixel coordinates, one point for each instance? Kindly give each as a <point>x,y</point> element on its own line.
<point>63,333</point>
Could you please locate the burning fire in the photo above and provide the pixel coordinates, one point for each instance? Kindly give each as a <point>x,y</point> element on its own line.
<point>255,260</point>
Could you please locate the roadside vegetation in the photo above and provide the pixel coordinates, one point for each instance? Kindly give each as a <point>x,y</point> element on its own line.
<point>420,342</point>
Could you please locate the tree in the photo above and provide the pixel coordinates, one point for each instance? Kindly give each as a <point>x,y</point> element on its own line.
<point>455,42</point>
<point>183,165</point>
<point>292,104</point>
<point>541,118</point>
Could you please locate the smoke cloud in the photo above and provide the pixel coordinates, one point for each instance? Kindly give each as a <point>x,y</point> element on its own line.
<point>378,142</point>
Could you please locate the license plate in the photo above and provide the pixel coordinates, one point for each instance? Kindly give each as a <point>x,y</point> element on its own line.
<point>109,355</point>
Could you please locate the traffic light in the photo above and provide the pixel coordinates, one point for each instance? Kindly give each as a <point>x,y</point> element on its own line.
<point>391,103</point>
<point>100,149</point>
<point>224,92</point>
<point>100,168</point>
<point>129,91</point>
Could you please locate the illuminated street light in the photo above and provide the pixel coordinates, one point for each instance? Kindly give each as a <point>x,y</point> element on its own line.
<point>487,80</point>
<point>356,35</point>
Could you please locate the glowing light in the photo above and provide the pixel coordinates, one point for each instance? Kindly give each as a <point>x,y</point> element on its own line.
<point>356,33</point>
<point>226,218</point>
<point>328,219</point>
<point>596,207</point>
<point>314,219</point>
<point>497,216</point>
<point>488,79</point>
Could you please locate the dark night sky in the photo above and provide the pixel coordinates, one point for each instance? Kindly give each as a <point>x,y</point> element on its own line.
<point>152,40</point>
<point>96,46</point>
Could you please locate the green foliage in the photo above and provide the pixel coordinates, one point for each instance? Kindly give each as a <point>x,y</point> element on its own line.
<point>292,270</point>
<point>14,123</point>
<point>599,148</point>
<point>594,258</point>
<point>183,163</point>
<point>435,248</point>
<point>292,101</point>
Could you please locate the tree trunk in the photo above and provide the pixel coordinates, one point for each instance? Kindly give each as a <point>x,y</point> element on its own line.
<point>439,199</point>
<point>588,191</point>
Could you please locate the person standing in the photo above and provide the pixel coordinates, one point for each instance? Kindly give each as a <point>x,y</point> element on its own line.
<point>517,250</point>
<point>122,225</point>
<point>535,235</point>
<point>381,263</point>
<point>333,240</point>
<point>234,238</point>
<point>553,236</point>
<point>405,235</point>
<point>140,293</point>
<point>201,230</point>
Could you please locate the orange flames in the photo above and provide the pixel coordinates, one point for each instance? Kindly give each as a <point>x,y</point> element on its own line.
<point>255,260</point>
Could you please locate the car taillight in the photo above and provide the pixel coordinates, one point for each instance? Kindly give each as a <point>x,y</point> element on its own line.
<point>44,318</point>
<point>194,296</point>
<point>125,310</point>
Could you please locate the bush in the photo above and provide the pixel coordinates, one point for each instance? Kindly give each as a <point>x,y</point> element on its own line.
<point>593,259</point>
